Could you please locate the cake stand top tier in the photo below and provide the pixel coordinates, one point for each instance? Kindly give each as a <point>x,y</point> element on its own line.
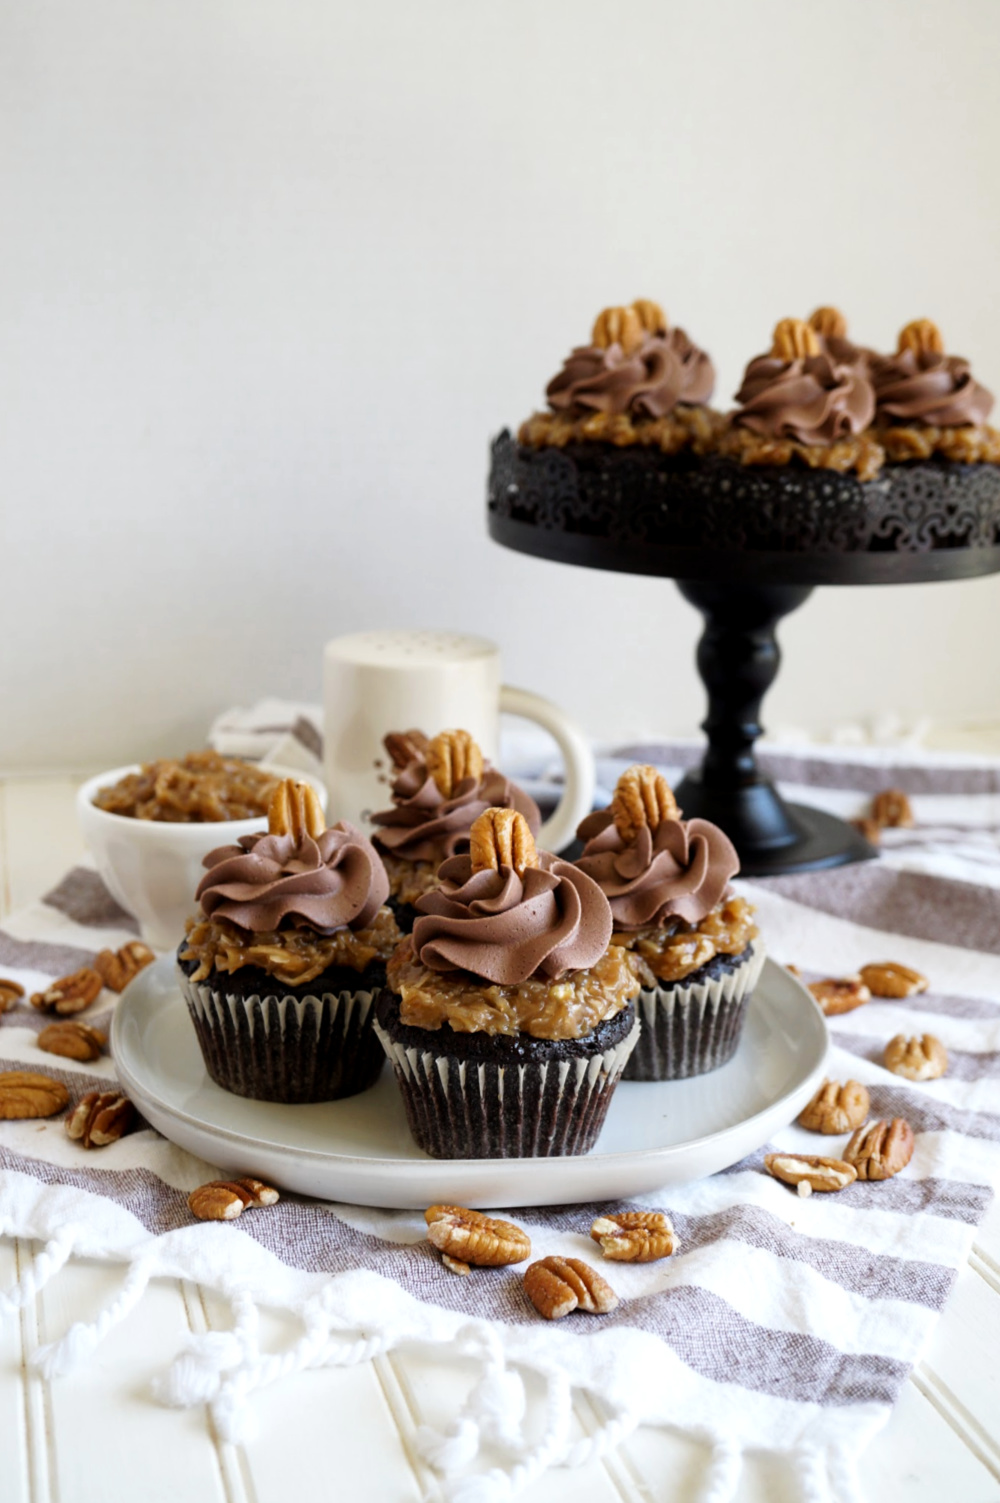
<point>637,511</point>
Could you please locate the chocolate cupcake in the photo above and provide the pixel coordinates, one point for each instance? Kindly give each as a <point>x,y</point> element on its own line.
<point>507,1018</point>
<point>638,383</point>
<point>693,942</point>
<point>281,968</point>
<point>928,405</point>
<point>803,404</point>
<point>441,787</point>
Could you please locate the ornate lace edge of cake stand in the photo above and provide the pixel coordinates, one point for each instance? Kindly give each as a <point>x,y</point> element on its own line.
<point>642,512</point>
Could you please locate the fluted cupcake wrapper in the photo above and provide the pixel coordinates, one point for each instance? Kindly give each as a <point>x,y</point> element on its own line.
<point>689,1030</point>
<point>287,1048</point>
<point>477,1109</point>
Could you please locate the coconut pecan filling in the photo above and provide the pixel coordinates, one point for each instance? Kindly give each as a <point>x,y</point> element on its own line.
<point>671,951</point>
<point>202,787</point>
<point>569,1008</point>
<point>684,428</point>
<point>861,453</point>
<point>293,956</point>
<point>409,880</point>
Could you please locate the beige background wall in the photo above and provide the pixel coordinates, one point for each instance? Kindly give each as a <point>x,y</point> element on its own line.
<point>272,273</point>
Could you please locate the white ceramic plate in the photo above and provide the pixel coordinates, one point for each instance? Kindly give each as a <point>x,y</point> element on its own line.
<point>360,1150</point>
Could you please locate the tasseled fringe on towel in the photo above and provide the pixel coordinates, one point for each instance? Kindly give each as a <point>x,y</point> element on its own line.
<point>223,1368</point>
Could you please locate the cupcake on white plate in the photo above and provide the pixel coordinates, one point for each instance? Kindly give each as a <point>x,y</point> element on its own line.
<point>281,966</point>
<point>692,940</point>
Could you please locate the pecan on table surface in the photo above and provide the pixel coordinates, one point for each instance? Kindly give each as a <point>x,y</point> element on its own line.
<point>634,1236</point>
<point>11,993</point>
<point>838,994</point>
<point>117,968</point>
<point>557,1286</point>
<point>470,1237</point>
<point>225,1199</point>
<point>920,1058</point>
<point>100,1118</point>
<point>836,1108</point>
<point>73,1040</point>
<point>888,978</point>
<point>891,809</point>
<point>880,1149</point>
<point>810,1171</point>
<point>25,1094</point>
<point>70,994</point>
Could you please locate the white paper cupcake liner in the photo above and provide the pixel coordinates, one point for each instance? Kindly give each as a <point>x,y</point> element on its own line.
<point>285,1047</point>
<point>689,1030</point>
<point>478,1109</point>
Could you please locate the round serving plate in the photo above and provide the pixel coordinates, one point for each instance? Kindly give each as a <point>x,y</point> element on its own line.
<point>360,1150</point>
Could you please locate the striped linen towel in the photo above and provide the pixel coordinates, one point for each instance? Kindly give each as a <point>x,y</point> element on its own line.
<point>779,1324</point>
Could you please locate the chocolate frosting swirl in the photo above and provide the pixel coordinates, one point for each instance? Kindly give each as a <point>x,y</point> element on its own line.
<point>927,387</point>
<point>680,870</point>
<point>334,881</point>
<point>423,825</point>
<point>505,928</point>
<point>810,399</point>
<point>665,369</point>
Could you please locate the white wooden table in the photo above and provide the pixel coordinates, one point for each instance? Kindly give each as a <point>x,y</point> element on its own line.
<point>333,1434</point>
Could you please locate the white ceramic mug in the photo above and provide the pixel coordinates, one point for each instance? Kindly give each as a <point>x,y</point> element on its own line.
<point>380,681</point>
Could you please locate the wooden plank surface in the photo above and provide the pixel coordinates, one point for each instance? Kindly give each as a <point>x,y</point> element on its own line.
<point>353,1431</point>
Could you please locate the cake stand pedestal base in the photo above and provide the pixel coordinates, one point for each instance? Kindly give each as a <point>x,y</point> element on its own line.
<point>738,659</point>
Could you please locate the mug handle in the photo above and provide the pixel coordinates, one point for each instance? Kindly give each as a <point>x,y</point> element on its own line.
<point>581,778</point>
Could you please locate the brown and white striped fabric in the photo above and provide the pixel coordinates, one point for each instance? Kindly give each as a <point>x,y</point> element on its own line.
<point>779,1323</point>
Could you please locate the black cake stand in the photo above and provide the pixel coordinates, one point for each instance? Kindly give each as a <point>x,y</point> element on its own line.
<point>831,530</point>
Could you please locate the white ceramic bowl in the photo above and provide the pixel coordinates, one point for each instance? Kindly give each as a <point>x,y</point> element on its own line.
<point>151,867</point>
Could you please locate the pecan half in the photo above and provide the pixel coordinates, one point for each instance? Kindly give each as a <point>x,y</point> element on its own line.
<point>225,1199</point>
<point>642,797</point>
<point>556,1286</point>
<point>829,323</point>
<point>71,994</point>
<point>501,837</point>
<point>880,1149</point>
<point>891,809</point>
<point>25,1094</point>
<point>295,810</point>
<point>887,978</point>
<point>471,1237</point>
<point>11,993</point>
<point>117,968</point>
<point>840,994</point>
<point>100,1118</point>
<point>622,326</point>
<point>72,1040</point>
<point>405,747</point>
<point>793,339</point>
<point>811,1171</point>
<point>923,1058</point>
<point>651,315</point>
<point>836,1108</point>
<point>922,336</point>
<point>634,1236</point>
<point>453,756</point>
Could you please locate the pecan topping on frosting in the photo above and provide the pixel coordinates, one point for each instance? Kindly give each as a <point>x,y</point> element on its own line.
<point>499,838</point>
<point>642,796</point>
<point>328,880</point>
<point>650,864</point>
<point>505,924</point>
<point>921,384</point>
<point>794,340</point>
<point>452,757</point>
<point>829,323</point>
<point>426,823</point>
<point>405,746</point>
<point>634,364</point>
<point>800,392</point>
<point>295,810</point>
